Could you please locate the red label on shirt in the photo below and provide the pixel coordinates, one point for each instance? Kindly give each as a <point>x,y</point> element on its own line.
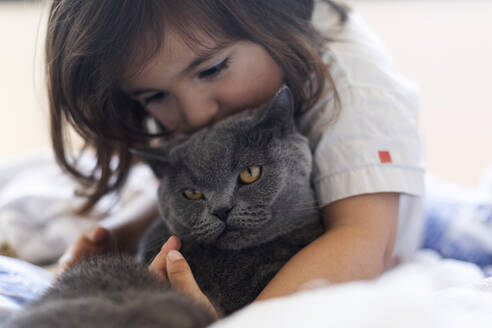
<point>385,156</point>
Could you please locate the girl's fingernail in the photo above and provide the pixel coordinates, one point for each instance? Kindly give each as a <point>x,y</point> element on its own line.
<point>174,256</point>
<point>167,241</point>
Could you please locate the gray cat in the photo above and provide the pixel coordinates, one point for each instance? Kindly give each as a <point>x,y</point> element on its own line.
<point>110,292</point>
<point>239,196</point>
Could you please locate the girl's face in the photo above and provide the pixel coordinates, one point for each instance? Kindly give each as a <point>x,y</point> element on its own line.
<point>186,89</point>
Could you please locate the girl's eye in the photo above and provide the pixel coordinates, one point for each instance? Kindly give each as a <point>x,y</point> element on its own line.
<point>159,96</point>
<point>193,194</point>
<point>215,70</point>
<point>250,174</point>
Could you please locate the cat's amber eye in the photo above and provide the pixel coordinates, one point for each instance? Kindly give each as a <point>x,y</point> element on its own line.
<point>250,174</point>
<point>193,194</point>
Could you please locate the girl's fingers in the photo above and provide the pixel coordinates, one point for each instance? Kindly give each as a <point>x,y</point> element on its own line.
<point>181,278</point>
<point>98,235</point>
<point>67,260</point>
<point>74,253</point>
<point>159,263</point>
<point>97,241</point>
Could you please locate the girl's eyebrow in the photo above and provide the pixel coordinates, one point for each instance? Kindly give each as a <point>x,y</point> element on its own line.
<point>201,57</point>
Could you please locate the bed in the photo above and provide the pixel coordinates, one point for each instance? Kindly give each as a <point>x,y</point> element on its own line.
<point>433,290</point>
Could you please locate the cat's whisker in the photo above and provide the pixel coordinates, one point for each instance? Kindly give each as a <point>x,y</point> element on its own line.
<point>307,206</point>
<point>301,208</point>
<point>313,202</point>
<point>156,243</point>
<point>308,202</point>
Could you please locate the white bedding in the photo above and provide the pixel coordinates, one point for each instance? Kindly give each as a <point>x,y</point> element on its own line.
<point>37,221</point>
<point>429,292</point>
<point>38,203</point>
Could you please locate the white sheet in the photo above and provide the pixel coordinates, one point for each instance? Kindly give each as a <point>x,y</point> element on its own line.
<point>37,205</point>
<point>20,282</point>
<point>36,219</point>
<point>429,292</point>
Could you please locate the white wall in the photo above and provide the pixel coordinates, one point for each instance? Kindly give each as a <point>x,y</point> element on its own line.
<point>445,46</point>
<point>23,125</point>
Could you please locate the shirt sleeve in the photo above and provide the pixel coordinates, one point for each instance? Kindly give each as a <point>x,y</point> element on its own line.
<point>371,143</point>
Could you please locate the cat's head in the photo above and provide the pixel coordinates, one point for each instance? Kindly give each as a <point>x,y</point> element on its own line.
<point>239,183</point>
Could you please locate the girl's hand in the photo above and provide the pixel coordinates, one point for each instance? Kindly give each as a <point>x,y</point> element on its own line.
<point>170,265</point>
<point>97,241</point>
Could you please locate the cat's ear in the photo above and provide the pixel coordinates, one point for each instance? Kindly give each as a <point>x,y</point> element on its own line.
<point>279,113</point>
<point>155,157</point>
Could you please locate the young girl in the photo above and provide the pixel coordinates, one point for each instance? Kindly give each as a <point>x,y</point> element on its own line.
<point>128,73</point>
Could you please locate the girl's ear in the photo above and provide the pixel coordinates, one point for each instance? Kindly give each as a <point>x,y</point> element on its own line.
<point>156,158</point>
<point>278,114</point>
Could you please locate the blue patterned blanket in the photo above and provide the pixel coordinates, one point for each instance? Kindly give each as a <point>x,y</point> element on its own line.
<point>20,282</point>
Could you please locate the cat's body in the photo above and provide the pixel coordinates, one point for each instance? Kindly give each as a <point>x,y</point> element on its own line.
<point>110,292</point>
<point>233,278</point>
<point>236,235</point>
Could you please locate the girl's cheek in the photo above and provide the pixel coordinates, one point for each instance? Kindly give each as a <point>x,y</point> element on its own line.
<point>251,93</point>
<point>259,83</point>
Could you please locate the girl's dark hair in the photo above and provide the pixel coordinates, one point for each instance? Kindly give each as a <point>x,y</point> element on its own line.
<point>91,43</point>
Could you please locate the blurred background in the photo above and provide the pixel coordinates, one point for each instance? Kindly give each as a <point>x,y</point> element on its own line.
<point>445,46</point>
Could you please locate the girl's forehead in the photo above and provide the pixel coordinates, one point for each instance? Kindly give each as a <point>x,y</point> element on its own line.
<point>177,52</point>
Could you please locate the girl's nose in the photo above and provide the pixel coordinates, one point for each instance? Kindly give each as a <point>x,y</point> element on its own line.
<point>199,111</point>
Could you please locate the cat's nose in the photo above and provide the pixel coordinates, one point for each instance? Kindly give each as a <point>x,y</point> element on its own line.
<point>222,213</point>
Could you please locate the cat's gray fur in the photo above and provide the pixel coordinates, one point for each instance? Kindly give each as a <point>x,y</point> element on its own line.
<point>235,239</point>
<point>110,292</point>
<point>238,236</point>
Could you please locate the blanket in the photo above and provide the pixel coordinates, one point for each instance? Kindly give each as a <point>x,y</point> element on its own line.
<point>38,204</point>
<point>37,222</point>
<point>20,283</point>
<point>427,292</point>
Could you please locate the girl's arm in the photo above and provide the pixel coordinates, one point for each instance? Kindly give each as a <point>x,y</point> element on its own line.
<point>357,244</point>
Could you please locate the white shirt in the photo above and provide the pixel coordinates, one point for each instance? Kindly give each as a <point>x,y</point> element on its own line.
<point>373,143</point>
